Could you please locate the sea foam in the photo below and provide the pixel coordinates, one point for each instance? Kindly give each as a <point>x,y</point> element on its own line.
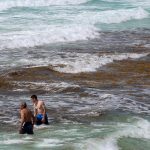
<point>37,3</point>
<point>112,16</point>
<point>77,62</point>
<point>138,129</point>
<point>47,35</point>
<point>75,26</point>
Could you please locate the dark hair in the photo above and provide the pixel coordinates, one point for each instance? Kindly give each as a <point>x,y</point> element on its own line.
<point>23,105</point>
<point>34,96</point>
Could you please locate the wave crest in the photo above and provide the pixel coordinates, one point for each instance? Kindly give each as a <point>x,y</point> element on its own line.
<point>38,3</point>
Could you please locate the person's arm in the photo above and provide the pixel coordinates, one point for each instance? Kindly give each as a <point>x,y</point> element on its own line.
<point>35,111</point>
<point>44,111</point>
<point>33,119</point>
<point>22,119</point>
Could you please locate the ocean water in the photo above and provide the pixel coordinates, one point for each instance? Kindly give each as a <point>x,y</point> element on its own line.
<point>37,23</point>
<point>88,60</point>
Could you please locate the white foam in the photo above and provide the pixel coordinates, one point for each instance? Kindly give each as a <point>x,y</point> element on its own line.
<point>112,16</point>
<point>138,129</point>
<point>53,87</point>
<point>1,103</point>
<point>46,35</point>
<point>96,144</point>
<point>113,102</point>
<point>40,126</point>
<point>146,91</point>
<point>12,141</point>
<point>77,62</point>
<point>81,26</point>
<point>108,143</point>
<point>49,143</point>
<point>37,3</point>
<point>109,102</point>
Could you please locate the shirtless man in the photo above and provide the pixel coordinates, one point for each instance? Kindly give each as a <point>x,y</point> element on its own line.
<point>39,111</point>
<point>27,120</point>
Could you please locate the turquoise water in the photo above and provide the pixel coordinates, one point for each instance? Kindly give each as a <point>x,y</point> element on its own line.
<point>121,132</point>
<point>124,123</point>
<point>66,20</point>
<point>74,37</point>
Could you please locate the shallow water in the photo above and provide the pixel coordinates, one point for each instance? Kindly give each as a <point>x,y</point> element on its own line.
<point>100,121</point>
<point>128,132</point>
<point>88,60</point>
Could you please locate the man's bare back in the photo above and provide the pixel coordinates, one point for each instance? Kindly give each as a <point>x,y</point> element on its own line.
<point>27,120</point>
<point>26,115</point>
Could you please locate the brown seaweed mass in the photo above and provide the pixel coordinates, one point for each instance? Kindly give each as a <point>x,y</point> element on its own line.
<point>117,74</point>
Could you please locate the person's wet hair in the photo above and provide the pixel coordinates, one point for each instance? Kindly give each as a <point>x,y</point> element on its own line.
<point>23,105</point>
<point>34,97</point>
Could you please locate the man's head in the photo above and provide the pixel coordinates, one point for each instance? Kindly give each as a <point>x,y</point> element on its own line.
<point>34,98</point>
<point>23,105</point>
